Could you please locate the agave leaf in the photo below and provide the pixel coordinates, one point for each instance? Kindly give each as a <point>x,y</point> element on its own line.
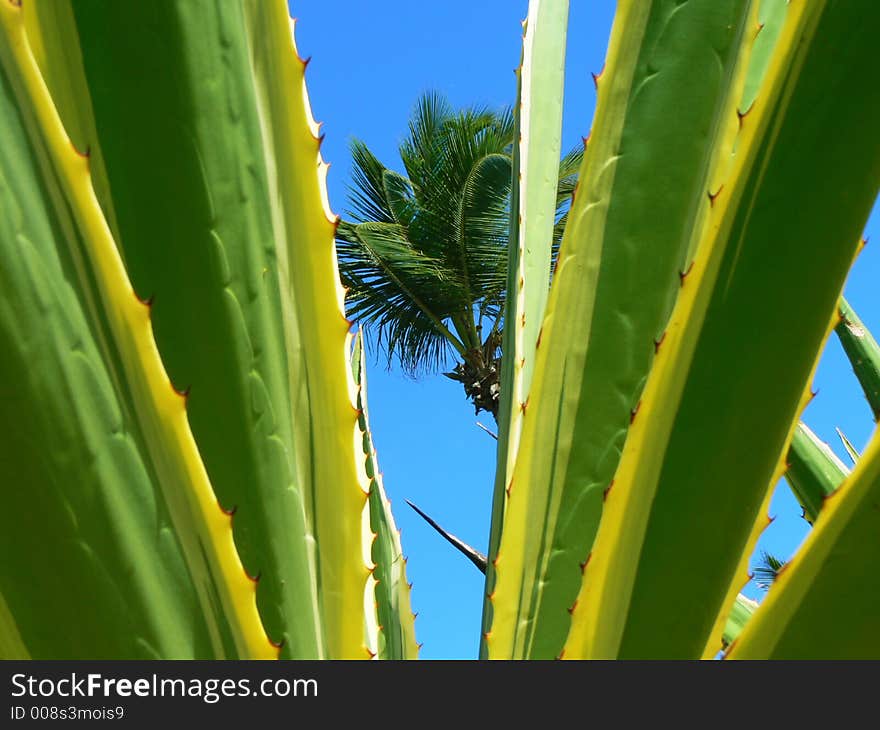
<point>863,352</point>
<point>766,239</point>
<point>742,611</point>
<point>52,36</point>
<point>235,251</point>
<point>814,471</point>
<point>393,605</point>
<point>538,135</point>
<point>832,575</point>
<point>617,277</point>
<point>851,450</point>
<point>99,428</point>
<point>247,305</point>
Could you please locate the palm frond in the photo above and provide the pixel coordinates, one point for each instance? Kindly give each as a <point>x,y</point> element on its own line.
<point>367,195</point>
<point>569,168</point>
<point>767,570</point>
<point>425,255</point>
<point>399,293</point>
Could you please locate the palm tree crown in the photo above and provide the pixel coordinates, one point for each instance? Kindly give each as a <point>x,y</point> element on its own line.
<point>424,254</point>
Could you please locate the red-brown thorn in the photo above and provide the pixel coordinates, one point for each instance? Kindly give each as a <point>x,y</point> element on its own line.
<point>634,412</point>
<point>148,302</point>
<point>682,275</point>
<point>659,342</point>
<point>714,195</point>
<point>572,607</point>
<point>585,563</point>
<point>88,153</point>
<point>607,490</point>
<point>742,115</point>
<point>230,511</point>
<point>277,644</point>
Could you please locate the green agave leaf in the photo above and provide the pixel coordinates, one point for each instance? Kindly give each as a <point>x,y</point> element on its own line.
<point>686,497</point>
<point>814,471</point>
<point>863,352</point>
<point>235,251</point>
<point>396,636</point>
<point>851,450</point>
<point>53,39</point>
<point>538,131</point>
<point>828,591</point>
<point>642,190</point>
<point>215,179</point>
<point>742,611</point>
<point>95,565</point>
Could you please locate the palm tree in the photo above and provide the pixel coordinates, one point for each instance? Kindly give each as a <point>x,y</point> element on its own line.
<point>424,254</point>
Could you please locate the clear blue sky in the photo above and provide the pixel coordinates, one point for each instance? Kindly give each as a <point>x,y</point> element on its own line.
<point>370,62</point>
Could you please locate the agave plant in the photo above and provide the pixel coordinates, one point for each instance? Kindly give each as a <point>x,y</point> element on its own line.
<point>649,409</point>
<point>190,472</point>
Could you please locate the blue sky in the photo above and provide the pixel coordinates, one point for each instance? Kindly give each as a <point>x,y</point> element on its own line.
<point>370,62</point>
